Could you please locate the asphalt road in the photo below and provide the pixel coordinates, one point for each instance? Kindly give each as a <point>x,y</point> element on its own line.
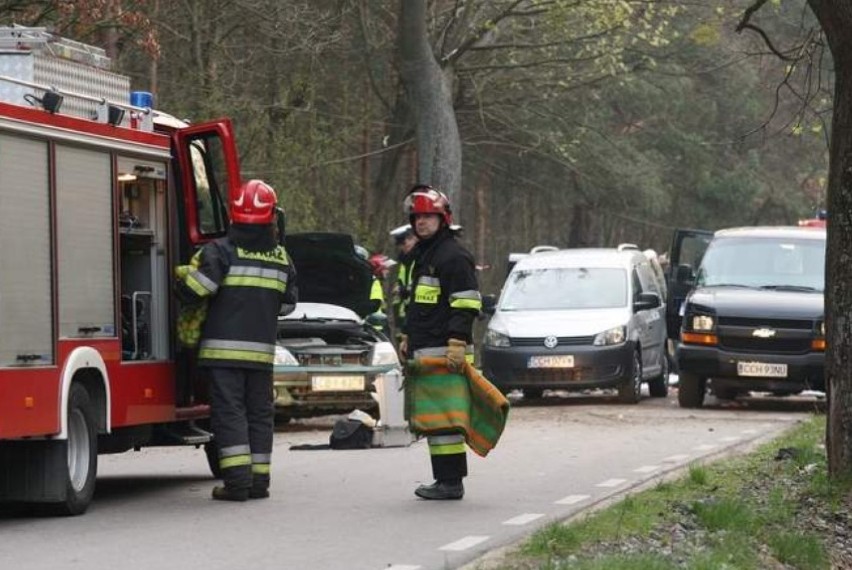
<point>356,509</point>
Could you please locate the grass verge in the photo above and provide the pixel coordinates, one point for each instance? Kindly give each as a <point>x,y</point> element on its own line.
<point>774,508</point>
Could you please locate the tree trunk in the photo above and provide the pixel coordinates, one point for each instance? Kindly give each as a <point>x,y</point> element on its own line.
<point>429,90</point>
<point>835,16</point>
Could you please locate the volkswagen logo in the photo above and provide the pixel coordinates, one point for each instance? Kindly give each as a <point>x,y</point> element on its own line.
<point>551,342</point>
<point>763,333</point>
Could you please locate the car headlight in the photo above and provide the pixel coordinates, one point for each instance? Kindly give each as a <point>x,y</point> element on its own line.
<point>494,338</point>
<point>384,354</point>
<point>703,323</point>
<point>283,357</point>
<point>615,335</point>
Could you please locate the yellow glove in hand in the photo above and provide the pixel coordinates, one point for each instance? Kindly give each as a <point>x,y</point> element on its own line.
<point>455,354</point>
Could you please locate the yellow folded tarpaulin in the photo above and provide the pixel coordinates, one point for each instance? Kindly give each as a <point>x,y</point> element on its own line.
<point>439,401</point>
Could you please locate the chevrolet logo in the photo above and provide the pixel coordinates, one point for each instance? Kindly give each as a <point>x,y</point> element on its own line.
<point>763,333</point>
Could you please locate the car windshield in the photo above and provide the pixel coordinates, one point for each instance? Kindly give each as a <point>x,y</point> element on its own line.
<point>770,263</point>
<point>565,288</point>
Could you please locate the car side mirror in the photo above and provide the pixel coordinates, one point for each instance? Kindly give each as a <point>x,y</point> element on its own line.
<point>684,274</point>
<point>489,304</point>
<point>646,301</point>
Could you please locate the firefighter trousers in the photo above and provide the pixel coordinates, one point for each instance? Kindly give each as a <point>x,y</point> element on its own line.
<point>449,457</point>
<point>242,418</point>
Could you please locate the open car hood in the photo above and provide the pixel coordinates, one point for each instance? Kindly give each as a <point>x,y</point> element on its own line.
<point>329,271</point>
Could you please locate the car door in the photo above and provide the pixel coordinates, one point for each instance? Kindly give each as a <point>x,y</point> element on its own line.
<point>685,255</point>
<point>652,322</point>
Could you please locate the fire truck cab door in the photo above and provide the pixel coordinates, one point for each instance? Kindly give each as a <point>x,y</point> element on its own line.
<point>209,172</point>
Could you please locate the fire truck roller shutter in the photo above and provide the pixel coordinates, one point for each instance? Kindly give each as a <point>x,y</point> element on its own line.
<point>84,197</point>
<point>26,329</point>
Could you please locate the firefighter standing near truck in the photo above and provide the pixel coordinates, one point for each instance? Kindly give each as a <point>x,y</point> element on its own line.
<point>444,303</point>
<point>246,278</point>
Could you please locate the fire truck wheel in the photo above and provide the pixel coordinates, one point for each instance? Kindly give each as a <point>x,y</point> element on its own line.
<point>211,450</point>
<point>82,448</point>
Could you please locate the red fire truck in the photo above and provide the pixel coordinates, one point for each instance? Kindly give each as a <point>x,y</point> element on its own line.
<point>101,197</point>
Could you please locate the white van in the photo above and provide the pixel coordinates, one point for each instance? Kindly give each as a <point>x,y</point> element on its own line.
<point>577,319</point>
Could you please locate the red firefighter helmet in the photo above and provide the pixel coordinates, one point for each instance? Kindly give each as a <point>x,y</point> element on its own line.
<point>254,204</point>
<point>426,200</point>
<point>381,264</point>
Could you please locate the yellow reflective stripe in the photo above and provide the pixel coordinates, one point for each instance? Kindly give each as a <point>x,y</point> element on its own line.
<point>466,304</point>
<point>451,449</point>
<point>196,286</point>
<point>469,358</point>
<point>376,293</point>
<point>235,461</point>
<point>260,468</point>
<point>262,282</point>
<point>230,354</point>
<point>426,294</point>
<point>277,255</point>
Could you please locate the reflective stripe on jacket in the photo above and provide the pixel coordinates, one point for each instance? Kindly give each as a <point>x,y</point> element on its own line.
<point>245,291</point>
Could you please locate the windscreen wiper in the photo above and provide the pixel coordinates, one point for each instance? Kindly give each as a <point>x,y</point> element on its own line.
<point>790,288</point>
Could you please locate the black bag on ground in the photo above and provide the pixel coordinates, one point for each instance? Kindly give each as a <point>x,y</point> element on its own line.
<point>350,434</point>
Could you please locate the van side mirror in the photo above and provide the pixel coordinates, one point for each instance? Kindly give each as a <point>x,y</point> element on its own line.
<point>489,304</point>
<point>684,274</point>
<point>646,301</point>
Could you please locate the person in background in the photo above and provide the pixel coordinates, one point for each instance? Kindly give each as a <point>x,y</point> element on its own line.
<point>246,278</point>
<point>404,240</point>
<point>444,303</point>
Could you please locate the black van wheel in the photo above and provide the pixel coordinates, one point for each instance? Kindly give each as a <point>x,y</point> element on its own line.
<point>658,386</point>
<point>630,389</point>
<point>691,389</point>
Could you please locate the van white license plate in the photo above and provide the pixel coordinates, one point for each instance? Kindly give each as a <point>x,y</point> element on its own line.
<point>561,361</point>
<point>762,369</point>
<point>339,383</point>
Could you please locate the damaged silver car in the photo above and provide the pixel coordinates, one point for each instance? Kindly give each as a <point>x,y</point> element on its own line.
<point>330,348</point>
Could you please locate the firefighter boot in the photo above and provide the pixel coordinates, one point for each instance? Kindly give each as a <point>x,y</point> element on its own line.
<point>225,493</point>
<point>441,490</point>
<point>258,492</point>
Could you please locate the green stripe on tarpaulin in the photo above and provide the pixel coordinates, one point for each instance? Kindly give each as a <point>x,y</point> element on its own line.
<point>442,402</point>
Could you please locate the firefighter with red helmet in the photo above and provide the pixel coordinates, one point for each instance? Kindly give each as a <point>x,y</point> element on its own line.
<point>246,278</point>
<point>444,303</point>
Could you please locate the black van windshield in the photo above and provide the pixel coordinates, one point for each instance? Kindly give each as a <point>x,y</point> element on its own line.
<point>769,263</point>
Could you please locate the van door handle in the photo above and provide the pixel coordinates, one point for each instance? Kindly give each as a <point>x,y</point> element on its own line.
<point>88,330</point>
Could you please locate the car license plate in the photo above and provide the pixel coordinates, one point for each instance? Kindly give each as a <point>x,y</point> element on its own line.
<point>562,361</point>
<point>762,369</point>
<point>339,383</point>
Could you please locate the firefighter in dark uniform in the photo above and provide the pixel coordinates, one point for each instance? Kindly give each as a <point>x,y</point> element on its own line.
<point>444,303</point>
<point>246,278</point>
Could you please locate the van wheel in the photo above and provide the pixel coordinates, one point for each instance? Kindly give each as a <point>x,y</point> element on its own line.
<point>691,388</point>
<point>659,385</point>
<point>630,389</point>
<point>82,454</point>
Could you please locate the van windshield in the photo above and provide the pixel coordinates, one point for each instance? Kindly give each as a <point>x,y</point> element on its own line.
<point>565,288</point>
<point>769,263</point>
